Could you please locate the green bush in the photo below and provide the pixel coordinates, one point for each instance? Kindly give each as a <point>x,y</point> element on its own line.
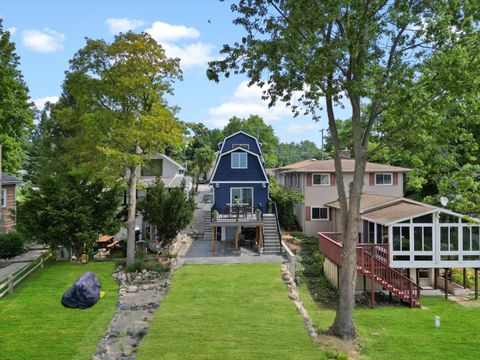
<point>139,265</point>
<point>11,244</point>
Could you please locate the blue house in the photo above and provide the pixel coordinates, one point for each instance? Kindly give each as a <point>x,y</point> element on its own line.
<point>240,193</point>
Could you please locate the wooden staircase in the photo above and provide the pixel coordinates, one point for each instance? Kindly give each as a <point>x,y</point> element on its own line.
<point>372,261</point>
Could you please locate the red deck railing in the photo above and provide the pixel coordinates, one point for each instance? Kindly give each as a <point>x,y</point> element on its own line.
<point>372,261</point>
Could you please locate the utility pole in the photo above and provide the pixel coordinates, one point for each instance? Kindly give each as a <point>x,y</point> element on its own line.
<point>322,142</point>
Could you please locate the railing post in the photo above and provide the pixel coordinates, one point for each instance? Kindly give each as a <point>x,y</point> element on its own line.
<point>411,293</point>
<point>10,284</point>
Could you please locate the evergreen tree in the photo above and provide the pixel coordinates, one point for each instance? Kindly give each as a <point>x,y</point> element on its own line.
<point>16,113</point>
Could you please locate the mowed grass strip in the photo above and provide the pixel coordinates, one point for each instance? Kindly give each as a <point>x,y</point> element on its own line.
<point>35,325</point>
<point>402,333</point>
<point>228,312</point>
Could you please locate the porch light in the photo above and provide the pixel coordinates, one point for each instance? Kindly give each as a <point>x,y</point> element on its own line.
<point>264,185</point>
<point>217,185</point>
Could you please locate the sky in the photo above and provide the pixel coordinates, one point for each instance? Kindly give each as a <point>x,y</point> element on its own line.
<point>48,33</point>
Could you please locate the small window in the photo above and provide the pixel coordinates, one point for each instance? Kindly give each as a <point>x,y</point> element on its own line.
<point>321,179</point>
<point>319,213</point>
<point>383,179</point>
<point>239,160</point>
<point>153,168</point>
<point>243,146</point>
<point>4,198</point>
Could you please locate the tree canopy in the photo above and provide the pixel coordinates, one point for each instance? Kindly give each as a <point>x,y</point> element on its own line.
<point>16,111</point>
<point>116,95</point>
<point>366,52</point>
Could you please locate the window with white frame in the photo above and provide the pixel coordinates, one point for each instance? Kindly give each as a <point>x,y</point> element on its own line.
<point>321,179</point>
<point>319,213</point>
<point>383,179</point>
<point>239,160</point>
<point>4,198</point>
<point>244,146</point>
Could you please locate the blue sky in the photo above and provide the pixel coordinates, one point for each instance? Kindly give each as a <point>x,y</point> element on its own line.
<point>48,33</point>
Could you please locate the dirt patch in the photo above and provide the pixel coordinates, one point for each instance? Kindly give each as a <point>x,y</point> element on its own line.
<point>333,344</point>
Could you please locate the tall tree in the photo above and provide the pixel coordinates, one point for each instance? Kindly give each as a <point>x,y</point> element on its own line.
<point>203,159</point>
<point>289,153</point>
<point>254,125</point>
<point>16,111</point>
<point>59,207</point>
<point>117,95</point>
<point>343,50</point>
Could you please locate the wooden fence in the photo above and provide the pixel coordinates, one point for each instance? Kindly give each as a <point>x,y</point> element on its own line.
<point>9,283</point>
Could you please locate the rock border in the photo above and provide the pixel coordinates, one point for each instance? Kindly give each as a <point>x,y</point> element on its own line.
<point>294,295</point>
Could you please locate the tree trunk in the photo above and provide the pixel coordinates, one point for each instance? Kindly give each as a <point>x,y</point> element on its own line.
<point>344,326</point>
<point>132,209</point>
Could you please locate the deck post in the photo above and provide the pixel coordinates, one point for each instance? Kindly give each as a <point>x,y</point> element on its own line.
<point>476,283</point>
<point>236,237</point>
<point>364,284</point>
<point>260,233</point>
<point>435,276</point>
<point>213,239</point>
<point>446,283</point>
<point>372,283</point>
<point>417,275</point>
<point>464,278</point>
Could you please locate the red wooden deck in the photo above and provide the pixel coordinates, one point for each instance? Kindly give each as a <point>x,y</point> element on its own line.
<point>372,261</point>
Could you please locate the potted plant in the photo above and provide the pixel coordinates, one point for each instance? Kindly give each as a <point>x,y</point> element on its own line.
<point>215,214</point>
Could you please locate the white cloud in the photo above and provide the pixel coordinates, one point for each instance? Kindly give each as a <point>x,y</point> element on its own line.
<point>303,128</point>
<point>190,55</point>
<point>40,103</point>
<point>12,30</point>
<point>43,41</point>
<point>116,25</point>
<point>163,32</point>
<point>247,101</point>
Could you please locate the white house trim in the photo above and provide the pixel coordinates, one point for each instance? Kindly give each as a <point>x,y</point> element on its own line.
<point>236,150</point>
<point>244,133</point>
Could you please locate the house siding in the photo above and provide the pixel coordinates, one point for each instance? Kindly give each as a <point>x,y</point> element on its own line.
<point>222,195</point>
<point>320,195</point>
<point>9,222</point>
<point>241,139</point>
<point>253,172</point>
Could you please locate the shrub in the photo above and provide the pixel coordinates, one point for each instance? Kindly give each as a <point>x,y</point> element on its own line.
<point>140,265</point>
<point>11,244</point>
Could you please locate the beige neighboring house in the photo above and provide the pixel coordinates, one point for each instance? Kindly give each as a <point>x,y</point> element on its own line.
<point>316,180</point>
<point>402,244</point>
<point>171,173</point>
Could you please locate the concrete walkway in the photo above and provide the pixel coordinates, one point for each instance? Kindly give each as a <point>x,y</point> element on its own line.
<point>201,253</point>
<point>19,262</point>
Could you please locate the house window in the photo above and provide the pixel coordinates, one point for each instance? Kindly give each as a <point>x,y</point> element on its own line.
<point>383,179</point>
<point>4,198</point>
<point>243,146</point>
<point>319,213</point>
<point>153,168</point>
<point>321,179</point>
<point>239,160</point>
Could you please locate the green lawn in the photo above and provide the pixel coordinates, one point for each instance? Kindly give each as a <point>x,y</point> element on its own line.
<point>35,325</point>
<point>228,312</point>
<point>403,333</point>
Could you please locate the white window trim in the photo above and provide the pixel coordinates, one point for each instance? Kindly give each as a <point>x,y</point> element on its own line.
<point>243,146</point>
<point>241,189</point>
<point>321,174</point>
<point>319,207</point>
<point>384,173</point>
<point>240,167</point>
<point>4,198</point>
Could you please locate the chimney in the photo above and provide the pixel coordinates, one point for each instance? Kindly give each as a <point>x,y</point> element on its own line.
<point>345,154</point>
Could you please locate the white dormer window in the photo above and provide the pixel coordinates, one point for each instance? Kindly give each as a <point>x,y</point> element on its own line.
<point>321,179</point>
<point>239,160</point>
<point>243,146</point>
<point>383,179</point>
